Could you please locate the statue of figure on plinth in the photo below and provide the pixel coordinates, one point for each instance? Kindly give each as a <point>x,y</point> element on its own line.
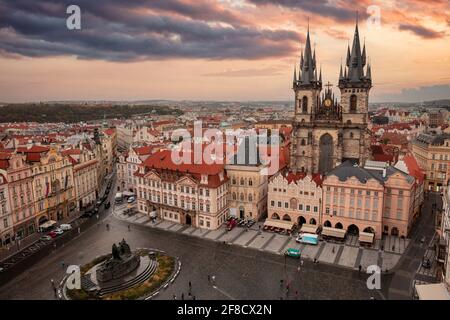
<point>122,262</point>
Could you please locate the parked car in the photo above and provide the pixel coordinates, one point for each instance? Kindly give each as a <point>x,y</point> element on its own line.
<point>426,264</point>
<point>231,224</point>
<point>58,231</point>
<point>88,214</point>
<point>131,199</point>
<point>107,205</point>
<point>291,252</point>
<point>52,234</point>
<point>65,227</point>
<point>46,238</point>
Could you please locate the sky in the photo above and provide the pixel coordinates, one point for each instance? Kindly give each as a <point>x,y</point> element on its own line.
<point>216,49</point>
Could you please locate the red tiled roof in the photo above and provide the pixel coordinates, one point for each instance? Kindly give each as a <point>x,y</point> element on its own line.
<point>413,167</point>
<point>163,160</point>
<point>110,131</point>
<point>143,150</point>
<point>68,152</point>
<point>33,148</point>
<point>153,132</point>
<point>4,160</point>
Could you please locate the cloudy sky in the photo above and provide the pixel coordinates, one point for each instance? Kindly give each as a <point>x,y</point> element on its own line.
<point>215,49</point>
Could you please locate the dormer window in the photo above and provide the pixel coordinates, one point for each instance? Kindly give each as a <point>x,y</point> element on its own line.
<point>204,179</point>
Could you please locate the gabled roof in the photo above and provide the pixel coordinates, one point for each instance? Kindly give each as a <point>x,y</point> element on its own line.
<point>413,168</point>
<point>34,148</point>
<point>347,170</point>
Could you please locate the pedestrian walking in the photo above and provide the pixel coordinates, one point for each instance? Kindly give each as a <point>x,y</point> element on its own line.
<point>298,269</point>
<point>301,263</point>
<point>190,285</point>
<point>332,250</point>
<point>79,230</point>
<point>393,247</point>
<point>55,292</point>
<point>182,296</point>
<point>359,268</point>
<point>193,297</point>
<point>189,295</point>
<point>63,264</point>
<point>53,283</point>
<point>174,297</point>
<point>97,216</point>
<point>209,278</point>
<point>213,279</point>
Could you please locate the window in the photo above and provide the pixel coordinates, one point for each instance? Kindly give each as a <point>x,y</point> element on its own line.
<point>286,205</point>
<point>315,209</point>
<point>353,102</point>
<point>300,207</point>
<point>250,182</point>
<point>305,104</point>
<point>308,208</point>
<point>272,203</point>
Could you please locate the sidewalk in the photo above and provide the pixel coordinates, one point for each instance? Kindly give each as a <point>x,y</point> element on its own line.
<point>347,254</point>
<point>20,245</point>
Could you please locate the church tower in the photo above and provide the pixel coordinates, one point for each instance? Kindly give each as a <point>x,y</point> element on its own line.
<point>326,132</point>
<point>355,84</point>
<point>307,88</point>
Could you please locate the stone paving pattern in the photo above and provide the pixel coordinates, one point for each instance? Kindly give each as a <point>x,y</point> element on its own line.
<point>348,254</point>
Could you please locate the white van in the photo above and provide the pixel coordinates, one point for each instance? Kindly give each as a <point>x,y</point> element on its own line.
<point>119,197</point>
<point>65,226</point>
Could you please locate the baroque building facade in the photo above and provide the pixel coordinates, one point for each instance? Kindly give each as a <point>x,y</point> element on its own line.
<point>327,132</point>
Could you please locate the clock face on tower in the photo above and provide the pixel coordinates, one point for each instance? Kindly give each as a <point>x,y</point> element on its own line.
<point>327,103</point>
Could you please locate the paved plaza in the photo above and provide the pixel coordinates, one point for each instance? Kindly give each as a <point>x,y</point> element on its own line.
<point>385,253</point>
<point>240,273</point>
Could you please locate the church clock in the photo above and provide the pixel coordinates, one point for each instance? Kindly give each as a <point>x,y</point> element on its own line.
<point>328,103</point>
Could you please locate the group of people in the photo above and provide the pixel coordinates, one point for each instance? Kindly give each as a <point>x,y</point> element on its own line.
<point>190,296</point>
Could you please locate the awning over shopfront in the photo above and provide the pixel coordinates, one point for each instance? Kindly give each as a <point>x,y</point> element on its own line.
<point>281,224</point>
<point>432,291</point>
<point>333,232</point>
<point>309,228</point>
<point>366,237</point>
